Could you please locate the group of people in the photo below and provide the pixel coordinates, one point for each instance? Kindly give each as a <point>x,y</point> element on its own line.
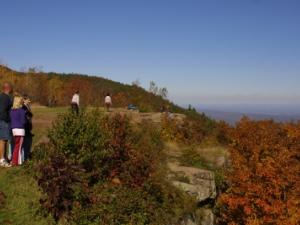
<point>76,100</point>
<point>15,127</point>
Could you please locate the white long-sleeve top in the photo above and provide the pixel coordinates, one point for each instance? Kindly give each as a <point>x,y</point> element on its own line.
<point>75,99</point>
<point>108,100</point>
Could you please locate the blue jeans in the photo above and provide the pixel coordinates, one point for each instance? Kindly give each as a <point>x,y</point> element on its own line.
<point>5,131</point>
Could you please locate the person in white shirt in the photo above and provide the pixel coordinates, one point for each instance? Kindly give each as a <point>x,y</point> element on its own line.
<point>108,102</point>
<point>75,103</point>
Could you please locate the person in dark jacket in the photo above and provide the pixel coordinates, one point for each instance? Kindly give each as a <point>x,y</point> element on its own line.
<point>5,130</point>
<point>28,127</point>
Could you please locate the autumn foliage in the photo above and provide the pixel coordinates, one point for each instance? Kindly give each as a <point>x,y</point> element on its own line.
<point>53,89</point>
<point>192,129</point>
<point>99,169</point>
<point>264,177</point>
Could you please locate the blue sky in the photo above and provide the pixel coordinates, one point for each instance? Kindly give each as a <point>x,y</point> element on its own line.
<point>204,51</point>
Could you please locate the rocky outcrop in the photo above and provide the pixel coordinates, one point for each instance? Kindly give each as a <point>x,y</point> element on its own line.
<point>201,217</point>
<point>198,183</point>
<point>201,185</point>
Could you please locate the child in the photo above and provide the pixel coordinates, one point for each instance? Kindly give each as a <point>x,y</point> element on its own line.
<point>108,102</point>
<point>18,120</point>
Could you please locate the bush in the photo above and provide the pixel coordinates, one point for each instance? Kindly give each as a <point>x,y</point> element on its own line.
<point>153,203</point>
<point>194,129</point>
<point>104,170</point>
<point>61,181</point>
<point>190,157</point>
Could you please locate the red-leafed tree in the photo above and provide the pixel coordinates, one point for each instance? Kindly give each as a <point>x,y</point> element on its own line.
<point>264,177</point>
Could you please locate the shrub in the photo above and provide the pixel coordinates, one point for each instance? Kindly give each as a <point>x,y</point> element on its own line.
<point>105,170</point>
<point>60,180</point>
<point>194,129</point>
<point>190,157</point>
<point>153,203</point>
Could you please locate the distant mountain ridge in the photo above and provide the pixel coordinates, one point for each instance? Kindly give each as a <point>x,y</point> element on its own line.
<point>233,117</point>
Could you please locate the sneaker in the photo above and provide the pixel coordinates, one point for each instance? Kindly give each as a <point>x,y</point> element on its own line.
<point>5,164</point>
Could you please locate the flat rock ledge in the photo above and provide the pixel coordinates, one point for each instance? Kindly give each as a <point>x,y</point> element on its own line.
<point>200,184</point>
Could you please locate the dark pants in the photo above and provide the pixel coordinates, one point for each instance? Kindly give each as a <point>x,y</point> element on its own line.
<point>75,108</point>
<point>108,105</point>
<point>27,144</point>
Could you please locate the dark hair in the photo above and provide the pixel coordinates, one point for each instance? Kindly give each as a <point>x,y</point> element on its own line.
<point>25,96</point>
<point>108,94</point>
<point>77,92</point>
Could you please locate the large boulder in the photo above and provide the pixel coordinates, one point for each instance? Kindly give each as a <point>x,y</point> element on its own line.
<point>198,183</point>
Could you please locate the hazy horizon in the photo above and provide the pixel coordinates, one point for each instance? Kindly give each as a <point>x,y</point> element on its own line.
<point>267,109</point>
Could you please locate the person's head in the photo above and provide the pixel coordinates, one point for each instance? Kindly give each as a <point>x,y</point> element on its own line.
<point>7,88</point>
<point>77,92</point>
<point>18,102</point>
<point>26,100</point>
<point>108,94</point>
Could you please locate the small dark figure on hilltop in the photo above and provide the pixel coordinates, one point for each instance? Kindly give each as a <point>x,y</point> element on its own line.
<point>108,101</point>
<point>75,103</point>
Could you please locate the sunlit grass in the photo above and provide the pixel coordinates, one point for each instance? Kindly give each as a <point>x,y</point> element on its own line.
<point>21,205</point>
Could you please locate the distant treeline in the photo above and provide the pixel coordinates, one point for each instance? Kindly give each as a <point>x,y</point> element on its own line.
<point>53,89</point>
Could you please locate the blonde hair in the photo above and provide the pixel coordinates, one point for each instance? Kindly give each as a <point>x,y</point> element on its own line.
<point>18,102</point>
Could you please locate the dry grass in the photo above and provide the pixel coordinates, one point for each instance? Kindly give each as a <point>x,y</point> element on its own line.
<point>45,116</point>
<point>204,156</point>
<point>43,119</point>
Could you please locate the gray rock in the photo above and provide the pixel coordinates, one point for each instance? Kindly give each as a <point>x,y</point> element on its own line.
<point>189,221</point>
<point>201,182</point>
<point>208,217</point>
<point>201,217</point>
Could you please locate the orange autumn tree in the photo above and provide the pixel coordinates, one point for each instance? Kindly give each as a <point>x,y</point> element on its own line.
<point>264,177</point>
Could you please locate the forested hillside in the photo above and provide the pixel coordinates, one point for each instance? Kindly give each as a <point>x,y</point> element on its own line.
<point>53,89</point>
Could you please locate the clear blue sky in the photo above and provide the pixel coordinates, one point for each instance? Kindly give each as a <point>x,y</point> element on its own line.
<point>204,51</point>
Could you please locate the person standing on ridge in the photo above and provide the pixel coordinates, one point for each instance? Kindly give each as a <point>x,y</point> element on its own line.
<point>5,130</point>
<point>75,103</point>
<point>108,102</point>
